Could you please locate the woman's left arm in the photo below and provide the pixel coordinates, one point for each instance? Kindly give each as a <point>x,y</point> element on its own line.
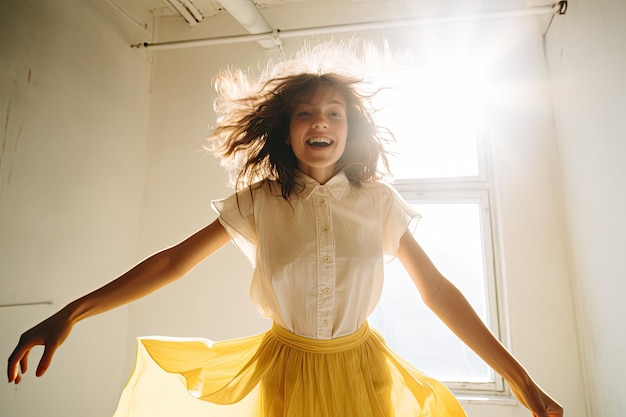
<point>447,302</point>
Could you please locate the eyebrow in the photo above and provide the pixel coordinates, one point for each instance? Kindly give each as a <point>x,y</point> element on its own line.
<point>341,103</point>
<point>330,102</point>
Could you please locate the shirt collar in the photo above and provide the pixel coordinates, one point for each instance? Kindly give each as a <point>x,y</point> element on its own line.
<point>337,185</point>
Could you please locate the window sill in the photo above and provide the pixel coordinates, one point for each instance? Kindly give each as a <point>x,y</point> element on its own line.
<point>486,399</point>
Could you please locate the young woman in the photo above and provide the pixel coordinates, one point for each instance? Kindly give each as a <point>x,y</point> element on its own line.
<point>314,220</point>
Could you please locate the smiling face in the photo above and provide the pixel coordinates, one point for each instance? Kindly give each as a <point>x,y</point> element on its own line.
<point>318,132</point>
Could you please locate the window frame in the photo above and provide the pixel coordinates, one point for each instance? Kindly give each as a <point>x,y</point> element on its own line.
<point>479,189</point>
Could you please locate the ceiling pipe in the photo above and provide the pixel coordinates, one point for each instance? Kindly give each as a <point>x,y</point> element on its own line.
<point>275,35</point>
<point>247,14</point>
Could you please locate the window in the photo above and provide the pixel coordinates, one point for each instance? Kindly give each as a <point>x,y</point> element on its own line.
<point>440,169</point>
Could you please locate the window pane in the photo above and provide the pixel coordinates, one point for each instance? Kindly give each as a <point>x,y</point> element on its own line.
<point>451,234</point>
<point>434,123</point>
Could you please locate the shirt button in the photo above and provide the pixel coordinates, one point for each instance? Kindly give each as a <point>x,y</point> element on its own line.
<point>326,229</point>
<point>323,202</point>
<point>325,323</point>
<point>328,259</point>
<point>326,291</point>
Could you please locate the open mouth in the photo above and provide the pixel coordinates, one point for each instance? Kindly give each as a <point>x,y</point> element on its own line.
<point>319,142</point>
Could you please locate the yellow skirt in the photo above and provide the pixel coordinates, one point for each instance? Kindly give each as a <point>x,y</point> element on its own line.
<point>280,374</point>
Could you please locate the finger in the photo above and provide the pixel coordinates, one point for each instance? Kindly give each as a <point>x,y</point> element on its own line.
<point>10,371</point>
<point>12,367</point>
<point>24,361</point>
<point>44,363</point>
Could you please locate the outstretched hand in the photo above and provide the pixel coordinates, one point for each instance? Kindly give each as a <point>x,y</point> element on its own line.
<point>537,401</point>
<point>50,333</point>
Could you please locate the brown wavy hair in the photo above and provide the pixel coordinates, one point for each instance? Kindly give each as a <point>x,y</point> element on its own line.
<point>252,129</point>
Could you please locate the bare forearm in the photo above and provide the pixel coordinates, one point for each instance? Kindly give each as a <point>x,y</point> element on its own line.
<point>454,310</point>
<point>145,278</point>
<point>148,276</point>
<point>153,273</point>
<point>452,307</point>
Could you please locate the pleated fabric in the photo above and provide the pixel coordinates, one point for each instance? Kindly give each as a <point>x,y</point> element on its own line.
<point>280,374</point>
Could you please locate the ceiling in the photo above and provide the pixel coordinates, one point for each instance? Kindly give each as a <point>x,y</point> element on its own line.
<point>298,14</point>
<point>214,7</point>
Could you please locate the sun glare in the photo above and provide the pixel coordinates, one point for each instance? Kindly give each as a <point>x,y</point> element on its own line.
<point>433,115</point>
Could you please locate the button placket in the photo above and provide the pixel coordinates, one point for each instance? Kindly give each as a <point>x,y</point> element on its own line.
<point>326,272</point>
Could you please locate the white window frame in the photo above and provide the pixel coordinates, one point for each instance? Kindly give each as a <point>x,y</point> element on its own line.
<point>475,189</point>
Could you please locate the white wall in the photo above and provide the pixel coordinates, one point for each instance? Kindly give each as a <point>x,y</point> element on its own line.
<point>537,288</point>
<point>587,59</point>
<point>74,110</point>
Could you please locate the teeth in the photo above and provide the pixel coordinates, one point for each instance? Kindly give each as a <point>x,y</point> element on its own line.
<point>320,140</point>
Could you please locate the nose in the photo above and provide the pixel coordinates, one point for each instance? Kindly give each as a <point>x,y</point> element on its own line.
<point>320,122</point>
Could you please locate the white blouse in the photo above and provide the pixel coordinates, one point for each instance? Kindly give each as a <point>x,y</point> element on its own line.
<point>317,258</point>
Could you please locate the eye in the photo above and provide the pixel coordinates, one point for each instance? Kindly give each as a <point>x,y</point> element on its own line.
<point>302,113</point>
<point>337,114</point>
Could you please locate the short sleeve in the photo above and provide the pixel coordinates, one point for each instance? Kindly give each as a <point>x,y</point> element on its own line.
<point>236,214</point>
<point>398,215</point>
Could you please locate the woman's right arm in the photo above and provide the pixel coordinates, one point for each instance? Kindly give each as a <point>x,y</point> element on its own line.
<point>148,276</point>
